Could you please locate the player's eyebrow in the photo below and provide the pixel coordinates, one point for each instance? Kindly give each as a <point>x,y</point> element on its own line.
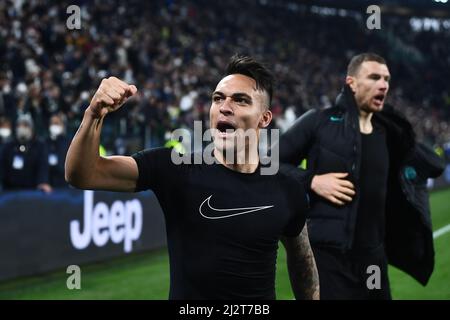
<point>234,96</point>
<point>218,93</point>
<point>241,95</point>
<point>378,76</point>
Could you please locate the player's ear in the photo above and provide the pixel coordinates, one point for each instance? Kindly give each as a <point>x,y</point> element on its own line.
<point>351,82</point>
<point>266,118</point>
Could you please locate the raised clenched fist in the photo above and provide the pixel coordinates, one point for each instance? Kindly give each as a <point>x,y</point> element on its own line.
<point>110,96</point>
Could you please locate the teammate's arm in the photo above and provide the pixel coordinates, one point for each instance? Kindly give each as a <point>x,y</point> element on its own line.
<point>302,266</point>
<point>294,146</point>
<point>295,143</point>
<point>84,167</point>
<point>334,187</point>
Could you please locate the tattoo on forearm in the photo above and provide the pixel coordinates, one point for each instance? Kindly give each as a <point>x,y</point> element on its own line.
<point>302,267</point>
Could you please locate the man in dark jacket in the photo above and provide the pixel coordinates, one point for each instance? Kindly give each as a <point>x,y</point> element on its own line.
<point>370,204</point>
<point>24,160</point>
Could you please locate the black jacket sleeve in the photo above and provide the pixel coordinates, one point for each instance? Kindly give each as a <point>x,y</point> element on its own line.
<point>429,164</point>
<point>296,142</point>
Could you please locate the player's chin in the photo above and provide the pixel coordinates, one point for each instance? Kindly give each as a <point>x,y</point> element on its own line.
<point>376,107</point>
<point>224,144</point>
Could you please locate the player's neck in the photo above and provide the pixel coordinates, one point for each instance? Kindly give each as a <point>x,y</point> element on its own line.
<point>243,161</point>
<point>365,122</point>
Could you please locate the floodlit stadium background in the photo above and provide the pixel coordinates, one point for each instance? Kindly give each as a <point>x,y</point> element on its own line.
<point>175,53</point>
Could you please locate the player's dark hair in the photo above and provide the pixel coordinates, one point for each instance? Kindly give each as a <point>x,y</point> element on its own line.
<point>249,67</point>
<point>357,61</point>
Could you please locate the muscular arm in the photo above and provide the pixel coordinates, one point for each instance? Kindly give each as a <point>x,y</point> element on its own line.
<point>84,167</point>
<point>302,267</point>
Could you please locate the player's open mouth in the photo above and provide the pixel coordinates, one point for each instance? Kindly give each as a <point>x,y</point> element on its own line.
<point>379,99</point>
<point>225,128</point>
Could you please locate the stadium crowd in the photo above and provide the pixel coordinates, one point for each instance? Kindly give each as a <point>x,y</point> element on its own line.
<point>173,51</point>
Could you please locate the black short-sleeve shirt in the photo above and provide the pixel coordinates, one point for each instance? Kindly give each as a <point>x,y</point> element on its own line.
<point>223,226</point>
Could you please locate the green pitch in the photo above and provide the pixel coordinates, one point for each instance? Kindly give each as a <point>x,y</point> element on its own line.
<point>146,276</point>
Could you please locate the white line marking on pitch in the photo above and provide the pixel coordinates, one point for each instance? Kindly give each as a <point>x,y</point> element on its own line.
<point>441,231</point>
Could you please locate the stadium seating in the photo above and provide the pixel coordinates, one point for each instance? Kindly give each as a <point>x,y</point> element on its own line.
<point>174,52</point>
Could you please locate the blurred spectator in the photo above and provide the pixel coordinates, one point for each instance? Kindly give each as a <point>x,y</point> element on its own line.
<point>5,131</point>
<point>57,144</point>
<point>173,51</point>
<point>24,160</point>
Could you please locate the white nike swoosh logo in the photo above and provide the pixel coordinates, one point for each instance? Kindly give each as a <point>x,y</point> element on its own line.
<point>236,211</point>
